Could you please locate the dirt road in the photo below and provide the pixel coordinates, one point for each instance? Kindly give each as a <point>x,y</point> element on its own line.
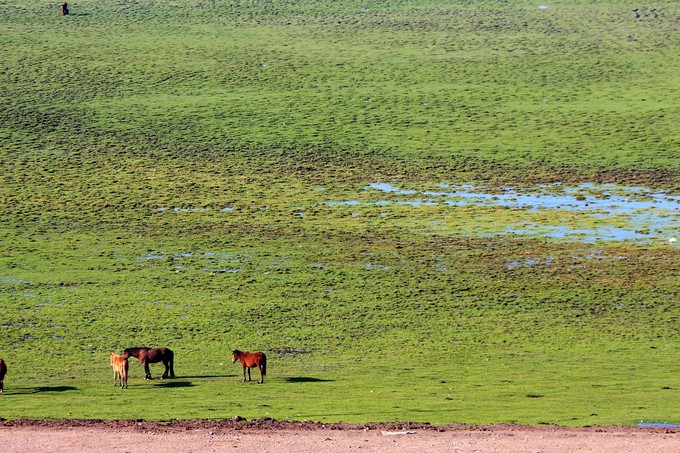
<point>270,436</point>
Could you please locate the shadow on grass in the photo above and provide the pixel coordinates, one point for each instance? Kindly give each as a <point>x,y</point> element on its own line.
<point>305,379</point>
<point>206,376</point>
<point>54,389</point>
<point>173,384</point>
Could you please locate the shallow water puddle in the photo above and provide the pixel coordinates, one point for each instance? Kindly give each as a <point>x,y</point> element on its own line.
<point>11,280</point>
<point>586,197</point>
<point>531,262</point>
<point>609,212</point>
<point>192,209</point>
<point>659,425</point>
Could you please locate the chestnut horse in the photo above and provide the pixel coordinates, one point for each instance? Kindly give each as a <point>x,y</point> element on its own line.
<point>3,371</point>
<point>120,369</point>
<point>251,360</point>
<point>148,355</point>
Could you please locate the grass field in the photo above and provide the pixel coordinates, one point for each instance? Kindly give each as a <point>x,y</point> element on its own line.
<point>202,176</point>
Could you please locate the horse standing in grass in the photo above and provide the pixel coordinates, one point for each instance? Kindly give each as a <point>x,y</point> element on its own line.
<point>120,369</point>
<point>251,360</point>
<point>3,371</point>
<point>148,355</point>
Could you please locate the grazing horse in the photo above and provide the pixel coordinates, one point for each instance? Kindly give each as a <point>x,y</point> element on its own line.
<point>120,369</point>
<point>3,371</point>
<point>251,360</point>
<point>148,355</point>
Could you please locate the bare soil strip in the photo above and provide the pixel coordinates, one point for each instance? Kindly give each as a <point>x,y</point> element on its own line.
<point>273,436</point>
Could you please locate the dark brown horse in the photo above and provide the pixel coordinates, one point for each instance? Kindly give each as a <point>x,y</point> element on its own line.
<point>3,371</point>
<point>251,360</point>
<point>148,355</point>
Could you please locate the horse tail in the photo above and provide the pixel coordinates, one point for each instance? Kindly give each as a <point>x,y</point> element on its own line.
<point>264,364</point>
<point>172,363</point>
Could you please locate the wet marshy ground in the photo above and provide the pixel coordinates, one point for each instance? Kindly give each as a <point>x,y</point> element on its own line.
<point>585,213</point>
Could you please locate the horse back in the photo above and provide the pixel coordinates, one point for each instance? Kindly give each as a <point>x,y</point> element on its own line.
<point>255,359</point>
<point>118,362</point>
<point>159,354</point>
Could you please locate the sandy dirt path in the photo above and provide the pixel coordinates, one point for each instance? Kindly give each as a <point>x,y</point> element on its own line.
<point>145,437</point>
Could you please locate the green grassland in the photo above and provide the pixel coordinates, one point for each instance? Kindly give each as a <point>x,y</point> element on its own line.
<point>168,173</point>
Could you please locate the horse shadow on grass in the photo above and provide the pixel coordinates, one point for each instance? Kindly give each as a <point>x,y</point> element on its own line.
<point>202,376</point>
<point>305,380</point>
<point>46,389</point>
<point>173,384</point>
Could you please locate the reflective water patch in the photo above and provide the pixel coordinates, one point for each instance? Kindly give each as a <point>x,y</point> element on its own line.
<point>604,212</point>
<point>11,280</point>
<point>658,425</point>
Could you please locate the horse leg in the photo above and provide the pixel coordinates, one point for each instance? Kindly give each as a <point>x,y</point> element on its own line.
<point>249,374</point>
<point>244,373</point>
<point>146,371</point>
<point>259,367</point>
<point>167,369</point>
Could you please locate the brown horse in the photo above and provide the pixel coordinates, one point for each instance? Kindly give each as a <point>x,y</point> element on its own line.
<point>251,360</point>
<point>148,355</point>
<point>3,371</point>
<point>120,369</point>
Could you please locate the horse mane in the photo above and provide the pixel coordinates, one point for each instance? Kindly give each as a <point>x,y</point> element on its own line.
<point>133,351</point>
